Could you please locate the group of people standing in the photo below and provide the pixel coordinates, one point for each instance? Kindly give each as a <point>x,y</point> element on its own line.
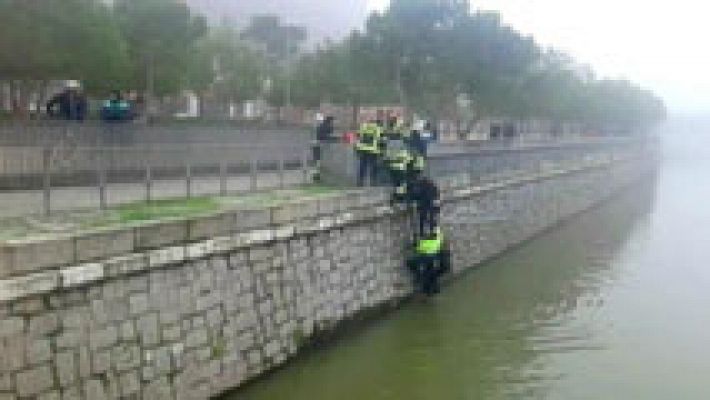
<point>72,104</point>
<point>389,151</point>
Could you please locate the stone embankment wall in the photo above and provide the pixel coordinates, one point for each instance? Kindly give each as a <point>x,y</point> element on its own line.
<point>190,309</point>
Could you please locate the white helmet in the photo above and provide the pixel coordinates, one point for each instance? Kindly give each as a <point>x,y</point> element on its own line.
<point>72,84</point>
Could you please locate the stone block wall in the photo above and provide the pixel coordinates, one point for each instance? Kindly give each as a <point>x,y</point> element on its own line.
<point>202,315</point>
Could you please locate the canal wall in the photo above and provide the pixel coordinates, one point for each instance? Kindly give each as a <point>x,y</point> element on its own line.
<point>188,309</point>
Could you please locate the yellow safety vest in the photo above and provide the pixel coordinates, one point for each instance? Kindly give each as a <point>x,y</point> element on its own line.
<point>398,131</point>
<point>401,190</point>
<point>419,163</point>
<point>430,247</point>
<point>369,138</point>
<point>399,160</point>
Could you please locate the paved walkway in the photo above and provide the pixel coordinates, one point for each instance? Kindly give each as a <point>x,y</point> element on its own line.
<point>29,202</point>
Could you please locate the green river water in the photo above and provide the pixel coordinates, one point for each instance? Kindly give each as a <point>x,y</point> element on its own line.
<point>611,305</point>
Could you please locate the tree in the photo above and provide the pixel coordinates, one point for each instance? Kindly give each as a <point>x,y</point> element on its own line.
<point>621,106</point>
<point>409,37</point>
<point>161,37</point>
<point>225,63</point>
<point>280,42</point>
<point>43,40</point>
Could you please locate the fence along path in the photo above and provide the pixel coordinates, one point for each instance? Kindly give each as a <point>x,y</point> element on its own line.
<point>41,173</point>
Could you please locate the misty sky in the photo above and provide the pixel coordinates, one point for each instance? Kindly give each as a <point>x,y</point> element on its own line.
<point>659,44</point>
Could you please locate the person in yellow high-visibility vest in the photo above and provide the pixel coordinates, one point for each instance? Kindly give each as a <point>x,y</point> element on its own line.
<point>396,156</point>
<point>396,129</point>
<point>367,148</point>
<point>397,159</point>
<point>431,260</point>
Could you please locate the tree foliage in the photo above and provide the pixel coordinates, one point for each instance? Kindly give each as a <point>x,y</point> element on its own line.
<point>222,61</point>
<point>280,42</point>
<point>42,40</point>
<point>161,37</point>
<point>428,54</point>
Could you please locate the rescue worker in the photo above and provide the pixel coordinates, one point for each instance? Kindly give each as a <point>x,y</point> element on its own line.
<point>431,260</point>
<point>426,196</point>
<point>324,134</point>
<point>367,149</point>
<point>421,137</point>
<point>416,168</point>
<point>396,130</point>
<point>397,159</point>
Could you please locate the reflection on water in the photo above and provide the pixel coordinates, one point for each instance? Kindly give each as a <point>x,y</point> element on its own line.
<point>521,326</point>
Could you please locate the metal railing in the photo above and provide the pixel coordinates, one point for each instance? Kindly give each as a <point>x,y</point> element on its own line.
<point>491,161</point>
<point>50,133</point>
<point>494,161</point>
<point>79,177</point>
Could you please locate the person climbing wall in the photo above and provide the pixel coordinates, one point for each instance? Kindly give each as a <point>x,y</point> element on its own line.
<point>431,260</point>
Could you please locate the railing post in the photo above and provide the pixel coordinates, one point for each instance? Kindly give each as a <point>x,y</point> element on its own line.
<point>254,172</point>
<point>282,177</point>
<point>188,179</point>
<point>148,182</point>
<point>46,180</point>
<point>304,166</point>
<point>223,177</point>
<point>473,181</point>
<point>101,170</point>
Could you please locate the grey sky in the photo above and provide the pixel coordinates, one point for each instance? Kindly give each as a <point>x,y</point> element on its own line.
<point>659,44</point>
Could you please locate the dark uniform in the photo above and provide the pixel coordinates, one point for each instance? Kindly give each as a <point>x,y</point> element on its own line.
<point>432,259</point>
<point>324,134</point>
<point>425,194</point>
<point>70,105</point>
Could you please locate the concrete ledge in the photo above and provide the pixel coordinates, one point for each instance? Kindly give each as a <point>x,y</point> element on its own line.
<point>160,234</point>
<point>156,245</point>
<point>100,245</point>
<point>211,226</point>
<point>329,205</point>
<point>81,275</point>
<point>250,219</point>
<point>22,257</point>
<point>28,285</point>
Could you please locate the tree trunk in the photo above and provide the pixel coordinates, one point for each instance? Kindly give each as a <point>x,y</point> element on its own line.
<point>355,114</point>
<point>42,88</point>
<point>200,103</point>
<point>150,88</point>
<point>22,100</point>
<point>14,105</point>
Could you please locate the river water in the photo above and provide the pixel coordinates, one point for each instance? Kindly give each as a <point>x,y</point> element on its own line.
<point>613,304</point>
